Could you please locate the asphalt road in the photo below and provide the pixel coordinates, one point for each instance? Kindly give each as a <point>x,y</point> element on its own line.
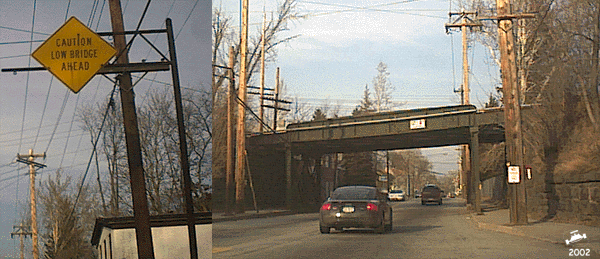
<point>429,231</point>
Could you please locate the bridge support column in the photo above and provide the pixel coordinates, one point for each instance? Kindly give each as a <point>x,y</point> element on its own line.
<point>475,171</point>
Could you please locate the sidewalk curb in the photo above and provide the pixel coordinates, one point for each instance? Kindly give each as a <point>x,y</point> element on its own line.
<point>512,231</point>
<point>252,216</point>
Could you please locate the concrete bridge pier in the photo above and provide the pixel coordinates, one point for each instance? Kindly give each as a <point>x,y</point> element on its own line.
<point>303,180</point>
<point>475,170</point>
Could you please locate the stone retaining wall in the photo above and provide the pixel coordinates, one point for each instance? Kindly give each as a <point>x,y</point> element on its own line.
<point>566,197</point>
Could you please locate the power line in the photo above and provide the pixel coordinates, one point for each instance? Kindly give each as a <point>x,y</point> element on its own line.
<point>43,112</point>
<point>15,56</point>
<point>100,16</point>
<point>27,81</point>
<point>21,30</point>
<point>110,103</point>
<point>70,129</point>
<point>186,19</point>
<point>26,93</point>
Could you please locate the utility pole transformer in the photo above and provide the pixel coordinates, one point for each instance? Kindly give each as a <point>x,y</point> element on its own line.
<point>29,159</point>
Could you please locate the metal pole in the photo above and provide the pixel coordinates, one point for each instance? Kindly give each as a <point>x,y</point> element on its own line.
<point>183,152</point>
<point>134,153</point>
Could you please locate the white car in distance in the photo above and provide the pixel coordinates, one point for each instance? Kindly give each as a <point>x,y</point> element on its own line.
<point>397,195</point>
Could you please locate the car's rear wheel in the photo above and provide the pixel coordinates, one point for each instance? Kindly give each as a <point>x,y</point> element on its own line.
<point>324,229</point>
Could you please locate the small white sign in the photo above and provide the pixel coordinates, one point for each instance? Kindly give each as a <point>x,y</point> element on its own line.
<point>513,174</point>
<point>417,124</point>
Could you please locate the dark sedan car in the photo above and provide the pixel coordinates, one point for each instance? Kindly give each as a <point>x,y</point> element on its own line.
<point>431,193</point>
<point>356,207</point>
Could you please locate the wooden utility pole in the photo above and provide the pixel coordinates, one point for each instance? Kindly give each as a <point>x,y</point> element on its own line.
<point>134,154</point>
<point>241,129</point>
<point>262,73</point>
<point>22,233</point>
<point>275,104</point>
<point>512,108</point>
<point>29,159</point>
<point>230,167</point>
<point>466,22</point>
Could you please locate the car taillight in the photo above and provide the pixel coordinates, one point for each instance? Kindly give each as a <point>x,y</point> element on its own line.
<point>326,206</point>
<point>371,207</point>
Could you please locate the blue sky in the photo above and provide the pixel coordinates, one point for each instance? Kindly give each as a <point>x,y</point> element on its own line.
<point>341,43</point>
<point>70,147</point>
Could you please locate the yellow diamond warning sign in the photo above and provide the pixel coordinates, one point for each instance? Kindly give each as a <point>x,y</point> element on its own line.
<point>74,54</point>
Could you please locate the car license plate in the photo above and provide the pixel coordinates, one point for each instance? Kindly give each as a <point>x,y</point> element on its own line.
<point>348,209</point>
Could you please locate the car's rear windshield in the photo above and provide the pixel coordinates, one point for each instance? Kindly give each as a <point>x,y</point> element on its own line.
<point>396,191</point>
<point>430,188</point>
<point>354,194</point>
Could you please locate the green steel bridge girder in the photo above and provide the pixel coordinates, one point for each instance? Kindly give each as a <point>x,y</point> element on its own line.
<point>431,127</point>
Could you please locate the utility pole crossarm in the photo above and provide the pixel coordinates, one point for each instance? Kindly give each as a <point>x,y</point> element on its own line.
<point>463,20</point>
<point>26,161</point>
<point>509,16</point>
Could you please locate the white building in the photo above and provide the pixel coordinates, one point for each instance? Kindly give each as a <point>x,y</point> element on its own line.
<point>115,237</point>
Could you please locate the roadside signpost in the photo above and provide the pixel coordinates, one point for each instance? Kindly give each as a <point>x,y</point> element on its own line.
<point>74,54</point>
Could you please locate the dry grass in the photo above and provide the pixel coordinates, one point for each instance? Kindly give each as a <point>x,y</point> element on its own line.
<point>581,154</point>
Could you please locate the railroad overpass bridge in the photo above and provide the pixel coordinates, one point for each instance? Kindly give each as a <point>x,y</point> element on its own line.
<point>283,167</point>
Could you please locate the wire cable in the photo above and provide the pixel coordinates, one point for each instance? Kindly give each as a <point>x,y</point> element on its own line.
<point>67,12</point>
<point>28,65</point>
<point>69,135</point>
<point>60,114</point>
<point>186,19</point>
<point>25,101</point>
<point>21,30</point>
<point>43,113</point>
<point>100,16</point>
<point>110,103</point>
<point>92,13</point>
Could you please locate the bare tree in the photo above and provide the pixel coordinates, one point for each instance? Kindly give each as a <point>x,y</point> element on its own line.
<point>224,36</point>
<point>383,88</point>
<point>67,229</point>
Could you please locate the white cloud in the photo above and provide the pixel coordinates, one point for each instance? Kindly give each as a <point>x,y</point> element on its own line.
<point>341,29</point>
